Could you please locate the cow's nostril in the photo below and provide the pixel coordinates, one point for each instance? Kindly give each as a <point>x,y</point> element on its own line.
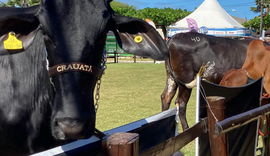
<point>71,128</point>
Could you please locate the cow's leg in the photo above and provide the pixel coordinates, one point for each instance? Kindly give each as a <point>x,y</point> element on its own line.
<point>169,90</point>
<point>182,100</point>
<point>168,93</point>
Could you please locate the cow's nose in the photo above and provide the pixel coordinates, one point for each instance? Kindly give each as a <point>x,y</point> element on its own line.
<point>71,128</point>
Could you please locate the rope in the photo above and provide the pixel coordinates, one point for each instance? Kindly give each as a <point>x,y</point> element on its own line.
<point>99,134</point>
<point>261,133</point>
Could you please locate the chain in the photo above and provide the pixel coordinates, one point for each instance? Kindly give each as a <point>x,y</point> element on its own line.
<point>97,96</point>
<point>104,60</point>
<point>103,67</point>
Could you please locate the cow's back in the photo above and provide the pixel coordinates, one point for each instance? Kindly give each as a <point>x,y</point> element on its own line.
<point>25,96</point>
<point>189,51</point>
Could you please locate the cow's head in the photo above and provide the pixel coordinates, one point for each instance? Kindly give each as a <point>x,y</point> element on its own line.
<point>75,34</point>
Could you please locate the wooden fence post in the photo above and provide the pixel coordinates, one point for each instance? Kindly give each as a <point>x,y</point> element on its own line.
<point>217,107</point>
<point>266,139</point>
<point>121,144</point>
<point>115,57</point>
<point>114,53</point>
<point>134,57</point>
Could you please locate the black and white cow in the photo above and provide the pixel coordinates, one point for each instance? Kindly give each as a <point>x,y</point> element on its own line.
<point>74,33</point>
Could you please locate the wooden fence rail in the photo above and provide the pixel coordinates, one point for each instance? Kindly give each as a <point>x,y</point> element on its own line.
<point>127,144</point>
<point>241,119</point>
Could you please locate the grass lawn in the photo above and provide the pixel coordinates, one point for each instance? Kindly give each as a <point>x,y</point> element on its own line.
<point>130,92</point>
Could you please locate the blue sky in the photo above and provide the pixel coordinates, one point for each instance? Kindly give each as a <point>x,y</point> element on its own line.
<point>241,7</point>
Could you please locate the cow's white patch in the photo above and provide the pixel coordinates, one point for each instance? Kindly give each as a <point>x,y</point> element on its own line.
<point>170,85</point>
<point>210,70</point>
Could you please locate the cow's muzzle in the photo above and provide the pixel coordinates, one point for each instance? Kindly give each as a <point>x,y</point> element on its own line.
<point>70,128</point>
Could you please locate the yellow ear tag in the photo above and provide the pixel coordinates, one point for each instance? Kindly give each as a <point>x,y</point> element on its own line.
<point>12,43</point>
<point>138,39</point>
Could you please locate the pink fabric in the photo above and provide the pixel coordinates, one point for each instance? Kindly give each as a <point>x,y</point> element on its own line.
<point>192,24</point>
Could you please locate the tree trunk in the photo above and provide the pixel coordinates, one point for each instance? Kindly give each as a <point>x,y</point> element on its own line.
<point>267,9</point>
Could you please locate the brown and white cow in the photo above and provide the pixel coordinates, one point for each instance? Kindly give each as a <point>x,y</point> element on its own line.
<point>190,51</point>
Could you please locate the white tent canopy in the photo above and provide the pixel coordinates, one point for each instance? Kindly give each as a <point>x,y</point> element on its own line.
<point>211,15</point>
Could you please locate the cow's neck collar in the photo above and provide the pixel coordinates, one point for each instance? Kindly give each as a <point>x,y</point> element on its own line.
<point>246,72</point>
<point>75,67</point>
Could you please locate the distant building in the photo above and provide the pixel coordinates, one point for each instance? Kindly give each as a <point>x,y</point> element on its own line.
<point>239,20</point>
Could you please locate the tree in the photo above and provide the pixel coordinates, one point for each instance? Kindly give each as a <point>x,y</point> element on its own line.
<point>266,5</point>
<point>255,23</point>
<point>20,3</point>
<point>161,17</point>
<point>126,11</point>
<point>2,4</point>
<point>116,4</point>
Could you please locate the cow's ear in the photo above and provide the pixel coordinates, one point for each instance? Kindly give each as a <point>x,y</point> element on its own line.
<point>21,22</point>
<point>137,37</point>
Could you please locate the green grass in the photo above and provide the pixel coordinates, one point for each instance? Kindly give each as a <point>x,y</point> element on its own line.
<point>130,92</point>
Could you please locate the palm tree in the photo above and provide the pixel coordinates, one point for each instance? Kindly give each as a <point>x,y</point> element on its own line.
<point>2,4</point>
<point>266,5</point>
